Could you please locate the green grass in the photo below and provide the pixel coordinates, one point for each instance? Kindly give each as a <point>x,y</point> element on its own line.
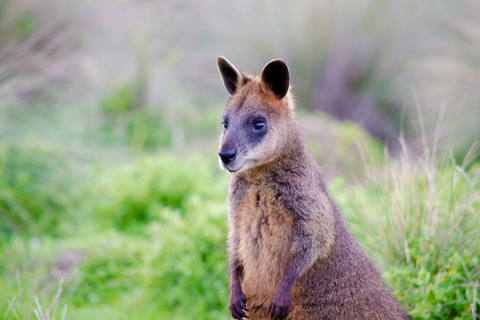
<point>36,186</point>
<point>148,240</point>
<point>419,221</point>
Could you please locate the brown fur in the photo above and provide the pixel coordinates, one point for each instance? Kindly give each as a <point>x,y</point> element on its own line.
<point>290,249</point>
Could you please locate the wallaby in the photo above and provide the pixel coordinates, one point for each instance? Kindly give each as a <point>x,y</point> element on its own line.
<point>291,254</point>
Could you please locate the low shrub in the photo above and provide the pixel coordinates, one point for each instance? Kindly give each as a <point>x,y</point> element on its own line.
<point>420,223</point>
<point>167,257</point>
<point>37,186</point>
<point>134,193</point>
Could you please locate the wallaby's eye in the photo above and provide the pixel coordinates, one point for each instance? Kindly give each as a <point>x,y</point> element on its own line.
<point>259,125</point>
<point>225,125</point>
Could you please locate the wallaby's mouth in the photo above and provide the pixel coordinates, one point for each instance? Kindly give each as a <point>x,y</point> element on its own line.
<point>238,165</point>
<point>231,167</point>
<point>234,166</point>
<point>232,170</point>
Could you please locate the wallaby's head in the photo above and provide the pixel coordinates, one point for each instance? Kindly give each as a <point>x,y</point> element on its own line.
<point>257,117</point>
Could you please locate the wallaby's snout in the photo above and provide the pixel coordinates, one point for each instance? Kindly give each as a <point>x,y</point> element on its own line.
<point>227,155</point>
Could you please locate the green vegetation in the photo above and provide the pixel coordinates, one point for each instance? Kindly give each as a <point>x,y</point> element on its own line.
<point>112,205</point>
<point>420,222</point>
<point>36,186</point>
<point>146,238</point>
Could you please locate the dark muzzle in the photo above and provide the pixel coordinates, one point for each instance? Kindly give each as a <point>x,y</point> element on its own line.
<point>227,156</point>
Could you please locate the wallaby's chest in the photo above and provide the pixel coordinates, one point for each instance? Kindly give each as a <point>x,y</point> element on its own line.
<point>264,228</point>
<point>262,217</point>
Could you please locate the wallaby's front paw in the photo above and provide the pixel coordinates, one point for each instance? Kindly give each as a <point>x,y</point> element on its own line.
<point>280,306</point>
<point>236,304</point>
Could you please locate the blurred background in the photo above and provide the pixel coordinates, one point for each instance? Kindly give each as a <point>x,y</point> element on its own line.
<point>111,203</point>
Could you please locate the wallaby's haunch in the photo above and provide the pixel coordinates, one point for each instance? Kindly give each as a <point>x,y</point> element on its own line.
<point>291,254</point>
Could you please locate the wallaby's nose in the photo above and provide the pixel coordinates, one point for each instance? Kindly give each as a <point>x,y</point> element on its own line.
<point>227,156</point>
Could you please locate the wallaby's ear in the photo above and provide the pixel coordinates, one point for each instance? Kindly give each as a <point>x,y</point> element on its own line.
<point>230,75</point>
<point>275,78</point>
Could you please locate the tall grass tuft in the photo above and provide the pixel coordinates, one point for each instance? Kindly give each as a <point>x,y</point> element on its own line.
<point>419,219</point>
<point>27,305</point>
